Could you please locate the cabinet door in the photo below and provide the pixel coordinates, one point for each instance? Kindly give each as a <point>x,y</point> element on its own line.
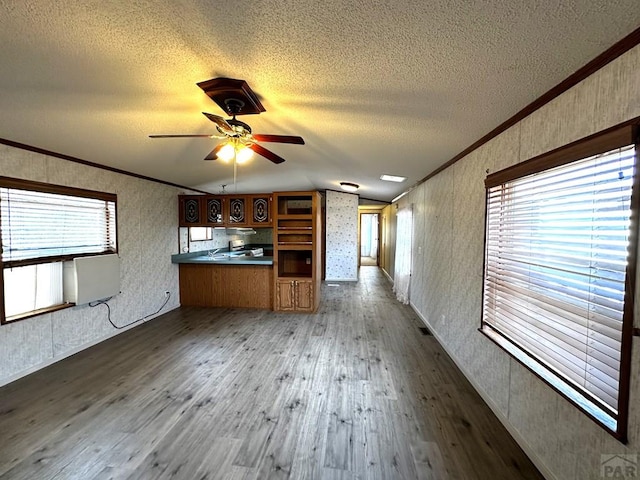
<point>285,296</point>
<point>190,207</point>
<point>304,295</point>
<point>215,207</point>
<point>238,211</point>
<point>260,210</point>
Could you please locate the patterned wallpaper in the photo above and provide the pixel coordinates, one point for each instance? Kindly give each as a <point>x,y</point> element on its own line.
<point>446,283</point>
<point>147,237</point>
<point>341,236</point>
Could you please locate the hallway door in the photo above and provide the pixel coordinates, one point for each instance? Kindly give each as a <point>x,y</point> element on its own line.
<point>369,238</point>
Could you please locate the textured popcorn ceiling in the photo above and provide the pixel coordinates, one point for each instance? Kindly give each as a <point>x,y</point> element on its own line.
<point>373,87</point>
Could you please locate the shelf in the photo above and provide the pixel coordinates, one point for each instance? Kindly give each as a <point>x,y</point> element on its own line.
<point>289,205</point>
<point>289,246</point>
<point>295,224</point>
<point>296,264</point>
<point>298,233</point>
<point>296,216</point>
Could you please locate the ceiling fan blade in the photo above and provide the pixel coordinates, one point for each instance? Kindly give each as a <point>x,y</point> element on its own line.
<point>213,154</point>
<point>278,138</point>
<point>268,154</point>
<point>222,124</point>
<point>181,136</point>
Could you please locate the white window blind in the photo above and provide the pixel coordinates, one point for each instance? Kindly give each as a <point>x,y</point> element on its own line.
<point>44,225</point>
<point>555,268</point>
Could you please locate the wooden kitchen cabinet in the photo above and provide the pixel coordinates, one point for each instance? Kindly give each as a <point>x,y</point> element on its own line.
<point>191,210</point>
<point>201,210</point>
<point>260,210</point>
<point>285,296</point>
<point>237,214</point>
<point>225,210</point>
<point>294,295</point>
<point>303,291</point>
<point>231,286</point>
<point>215,209</point>
<point>297,255</point>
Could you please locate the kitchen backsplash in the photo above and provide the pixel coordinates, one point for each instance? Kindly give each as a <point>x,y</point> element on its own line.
<point>220,239</point>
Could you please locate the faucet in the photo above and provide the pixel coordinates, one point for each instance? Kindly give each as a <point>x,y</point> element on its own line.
<point>213,252</point>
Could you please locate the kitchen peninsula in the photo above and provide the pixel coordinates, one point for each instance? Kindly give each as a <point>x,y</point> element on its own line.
<point>289,280</point>
<point>226,278</point>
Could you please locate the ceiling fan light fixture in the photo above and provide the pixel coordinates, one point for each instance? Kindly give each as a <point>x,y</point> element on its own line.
<point>349,187</point>
<point>226,153</point>
<point>244,154</point>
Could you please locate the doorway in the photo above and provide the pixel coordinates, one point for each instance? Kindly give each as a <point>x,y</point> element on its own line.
<point>369,239</point>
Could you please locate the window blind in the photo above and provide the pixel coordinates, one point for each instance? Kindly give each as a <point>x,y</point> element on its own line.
<point>40,225</point>
<point>555,268</point>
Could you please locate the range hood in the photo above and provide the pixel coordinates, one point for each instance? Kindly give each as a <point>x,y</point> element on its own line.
<point>240,231</point>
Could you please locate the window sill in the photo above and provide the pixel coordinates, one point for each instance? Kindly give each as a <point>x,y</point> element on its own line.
<point>35,313</point>
<point>573,395</point>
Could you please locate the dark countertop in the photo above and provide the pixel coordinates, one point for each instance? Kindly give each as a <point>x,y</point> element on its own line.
<point>221,257</point>
<point>228,260</point>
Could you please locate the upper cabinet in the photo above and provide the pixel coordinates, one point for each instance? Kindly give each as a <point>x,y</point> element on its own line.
<point>260,210</point>
<point>225,210</point>
<point>201,210</point>
<point>237,210</point>
<point>215,209</point>
<point>191,210</point>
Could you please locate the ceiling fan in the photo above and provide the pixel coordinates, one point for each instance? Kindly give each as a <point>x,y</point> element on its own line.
<point>240,141</point>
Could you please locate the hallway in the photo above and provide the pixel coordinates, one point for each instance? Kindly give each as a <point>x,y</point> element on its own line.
<point>353,392</point>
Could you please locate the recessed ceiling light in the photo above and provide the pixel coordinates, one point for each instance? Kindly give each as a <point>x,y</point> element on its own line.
<point>392,178</point>
<point>349,187</point>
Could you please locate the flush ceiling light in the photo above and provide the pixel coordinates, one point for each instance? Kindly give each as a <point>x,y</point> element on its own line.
<point>349,187</point>
<point>392,178</point>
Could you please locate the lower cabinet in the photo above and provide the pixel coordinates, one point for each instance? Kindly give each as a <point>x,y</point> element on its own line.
<point>215,285</point>
<point>304,295</point>
<point>294,295</point>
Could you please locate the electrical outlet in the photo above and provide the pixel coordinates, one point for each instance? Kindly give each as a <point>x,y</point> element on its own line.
<point>167,293</point>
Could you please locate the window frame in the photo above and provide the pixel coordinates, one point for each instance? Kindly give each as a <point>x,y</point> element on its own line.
<point>607,140</point>
<point>20,184</point>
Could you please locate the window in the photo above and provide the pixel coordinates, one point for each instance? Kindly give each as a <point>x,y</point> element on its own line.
<point>559,270</point>
<point>197,234</point>
<point>42,226</point>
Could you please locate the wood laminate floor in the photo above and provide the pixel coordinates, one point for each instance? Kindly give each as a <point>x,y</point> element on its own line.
<point>353,392</point>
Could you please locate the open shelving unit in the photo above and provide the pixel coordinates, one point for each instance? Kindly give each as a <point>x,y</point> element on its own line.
<point>296,256</point>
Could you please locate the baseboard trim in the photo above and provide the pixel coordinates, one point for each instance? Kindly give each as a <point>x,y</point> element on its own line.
<point>387,275</point>
<point>528,450</point>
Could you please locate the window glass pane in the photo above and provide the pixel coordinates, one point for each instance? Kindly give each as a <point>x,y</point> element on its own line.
<point>32,287</point>
<point>200,233</point>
